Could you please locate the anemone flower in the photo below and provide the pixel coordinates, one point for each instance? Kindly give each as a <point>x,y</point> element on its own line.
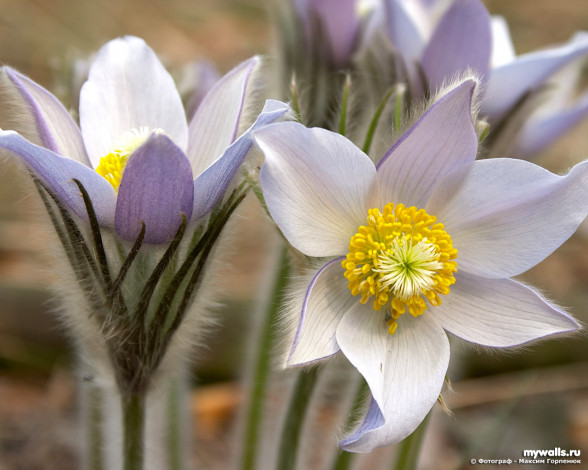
<point>135,153</point>
<point>439,40</point>
<point>424,243</point>
<point>330,26</point>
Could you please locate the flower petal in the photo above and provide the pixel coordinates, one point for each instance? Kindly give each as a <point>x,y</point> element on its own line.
<point>156,188</point>
<point>505,216</point>
<point>502,47</point>
<point>201,77</point>
<point>210,186</point>
<point>508,83</point>
<point>441,140</point>
<point>540,132</point>
<point>461,42</point>
<point>404,371</point>
<point>215,125</point>
<point>340,21</point>
<point>403,27</point>
<point>57,174</point>
<point>127,89</point>
<point>327,300</point>
<point>499,312</point>
<point>53,127</point>
<point>317,185</point>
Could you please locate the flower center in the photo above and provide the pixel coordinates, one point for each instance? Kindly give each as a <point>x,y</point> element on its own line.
<point>401,258</point>
<point>112,164</point>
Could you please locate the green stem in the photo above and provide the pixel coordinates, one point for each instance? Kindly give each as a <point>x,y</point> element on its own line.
<point>345,459</point>
<point>174,437</point>
<point>95,427</point>
<point>376,119</point>
<point>292,427</point>
<point>344,101</point>
<point>295,104</point>
<point>261,369</point>
<point>409,450</point>
<point>133,411</point>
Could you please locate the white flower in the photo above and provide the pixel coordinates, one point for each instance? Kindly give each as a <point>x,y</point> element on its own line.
<point>428,242</point>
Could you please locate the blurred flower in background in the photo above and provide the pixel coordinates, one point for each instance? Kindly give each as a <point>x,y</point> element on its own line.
<point>529,100</point>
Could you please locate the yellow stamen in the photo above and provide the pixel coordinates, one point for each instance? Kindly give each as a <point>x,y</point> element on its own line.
<point>112,164</point>
<point>401,258</point>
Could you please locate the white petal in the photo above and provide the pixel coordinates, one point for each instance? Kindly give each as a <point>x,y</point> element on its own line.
<point>540,132</point>
<point>498,312</point>
<point>441,140</point>
<point>505,216</point>
<point>317,185</point>
<point>216,122</point>
<point>128,88</point>
<point>508,83</point>
<point>404,371</point>
<point>327,300</point>
<point>502,47</point>
<point>405,23</point>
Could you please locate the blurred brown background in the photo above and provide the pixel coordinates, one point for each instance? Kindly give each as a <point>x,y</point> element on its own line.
<point>502,403</point>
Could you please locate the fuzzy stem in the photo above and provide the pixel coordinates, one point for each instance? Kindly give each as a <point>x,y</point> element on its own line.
<point>410,448</point>
<point>95,428</point>
<point>174,424</point>
<point>261,366</point>
<point>344,459</point>
<point>292,427</point>
<point>376,118</point>
<point>295,104</point>
<point>344,102</point>
<point>133,411</point>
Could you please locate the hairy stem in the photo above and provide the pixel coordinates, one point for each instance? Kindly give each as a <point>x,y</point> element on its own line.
<point>133,411</point>
<point>293,424</point>
<point>410,448</point>
<point>261,366</point>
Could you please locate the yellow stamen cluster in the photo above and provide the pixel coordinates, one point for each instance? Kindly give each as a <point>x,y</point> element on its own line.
<point>401,258</point>
<point>112,164</point>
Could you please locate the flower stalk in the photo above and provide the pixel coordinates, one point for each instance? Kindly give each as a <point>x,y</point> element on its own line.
<point>133,410</point>
<point>135,333</point>
<point>261,367</point>
<point>294,422</point>
<point>409,450</point>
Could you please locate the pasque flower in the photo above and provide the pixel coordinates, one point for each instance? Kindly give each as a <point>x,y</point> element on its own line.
<point>331,26</point>
<point>437,41</point>
<point>135,153</point>
<point>424,243</point>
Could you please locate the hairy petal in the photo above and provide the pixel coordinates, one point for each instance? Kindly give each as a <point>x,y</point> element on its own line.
<point>327,300</point>
<point>57,174</point>
<point>505,216</point>
<point>499,312</point>
<point>210,186</point>
<point>53,127</point>
<point>461,42</point>
<point>128,88</point>
<point>317,185</point>
<point>404,371</point>
<point>441,140</point>
<point>157,189</point>
<point>215,125</point>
